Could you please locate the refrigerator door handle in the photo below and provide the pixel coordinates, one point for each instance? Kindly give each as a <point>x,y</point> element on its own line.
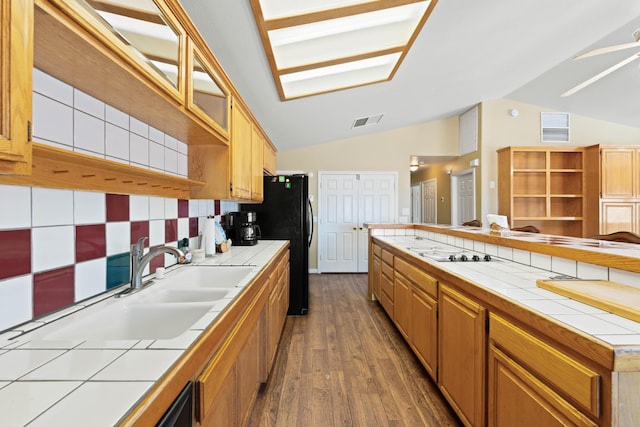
<point>310,221</point>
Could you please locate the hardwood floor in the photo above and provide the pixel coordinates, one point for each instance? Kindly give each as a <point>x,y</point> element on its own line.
<point>345,364</point>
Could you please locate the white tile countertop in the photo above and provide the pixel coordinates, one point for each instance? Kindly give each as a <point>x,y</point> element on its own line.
<point>512,275</point>
<point>96,382</point>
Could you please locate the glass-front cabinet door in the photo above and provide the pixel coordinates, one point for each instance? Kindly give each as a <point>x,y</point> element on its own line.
<point>148,33</point>
<point>16,64</point>
<point>209,99</point>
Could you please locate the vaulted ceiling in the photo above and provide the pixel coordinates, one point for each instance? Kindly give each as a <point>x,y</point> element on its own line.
<point>468,52</point>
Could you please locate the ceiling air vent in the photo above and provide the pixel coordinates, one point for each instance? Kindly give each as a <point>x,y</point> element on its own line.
<point>554,127</point>
<point>366,121</point>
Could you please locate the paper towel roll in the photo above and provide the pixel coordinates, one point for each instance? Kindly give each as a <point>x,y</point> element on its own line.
<point>209,237</point>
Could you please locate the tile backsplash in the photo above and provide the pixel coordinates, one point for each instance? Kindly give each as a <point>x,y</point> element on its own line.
<point>58,247</point>
<point>68,118</point>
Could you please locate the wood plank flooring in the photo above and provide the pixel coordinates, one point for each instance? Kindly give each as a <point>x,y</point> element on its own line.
<point>345,364</point>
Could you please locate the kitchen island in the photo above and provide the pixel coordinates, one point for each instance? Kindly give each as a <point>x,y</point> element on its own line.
<point>102,381</point>
<point>502,349</point>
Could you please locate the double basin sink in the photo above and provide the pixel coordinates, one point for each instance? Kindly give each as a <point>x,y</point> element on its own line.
<point>163,310</point>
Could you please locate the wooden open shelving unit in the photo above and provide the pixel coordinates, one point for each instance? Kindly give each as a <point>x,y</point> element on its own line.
<point>543,187</point>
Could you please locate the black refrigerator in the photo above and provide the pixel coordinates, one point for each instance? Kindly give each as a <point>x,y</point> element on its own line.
<point>286,214</point>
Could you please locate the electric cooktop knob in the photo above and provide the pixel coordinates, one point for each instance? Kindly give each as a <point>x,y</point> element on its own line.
<point>475,258</point>
<point>452,257</point>
<point>487,257</point>
<point>464,258</point>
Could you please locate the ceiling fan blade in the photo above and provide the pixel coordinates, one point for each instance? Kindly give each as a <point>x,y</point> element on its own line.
<point>608,49</point>
<point>600,75</point>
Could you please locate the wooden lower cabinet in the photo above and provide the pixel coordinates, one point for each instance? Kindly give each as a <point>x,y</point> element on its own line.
<point>227,387</point>
<point>415,312</point>
<point>277,311</point>
<point>402,307</point>
<point>248,375</point>
<point>461,364</point>
<point>376,270</point>
<point>387,292</point>
<point>532,383</point>
<point>424,310</point>
<point>222,405</point>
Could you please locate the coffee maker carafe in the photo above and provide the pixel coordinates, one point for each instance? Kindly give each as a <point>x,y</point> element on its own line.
<point>241,228</point>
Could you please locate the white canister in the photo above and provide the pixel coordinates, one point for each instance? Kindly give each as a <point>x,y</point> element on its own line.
<point>209,237</point>
<point>198,255</point>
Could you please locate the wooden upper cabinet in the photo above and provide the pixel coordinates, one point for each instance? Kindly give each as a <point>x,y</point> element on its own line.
<point>269,158</point>
<point>241,133</point>
<point>208,98</point>
<point>620,172</point>
<point>257,164</point>
<point>118,63</point>
<point>16,62</point>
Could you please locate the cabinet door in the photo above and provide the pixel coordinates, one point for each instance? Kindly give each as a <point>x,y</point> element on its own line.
<point>618,217</point>
<point>518,398</point>
<point>216,389</point>
<point>248,375</point>
<point>257,164</point>
<point>402,307</point>
<point>618,173</point>
<point>462,354</point>
<point>241,130</point>
<point>16,64</point>
<point>221,409</point>
<point>424,310</point>
<point>269,159</point>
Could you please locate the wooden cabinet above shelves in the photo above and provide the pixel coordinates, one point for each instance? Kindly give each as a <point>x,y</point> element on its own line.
<point>183,93</point>
<point>70,46</point>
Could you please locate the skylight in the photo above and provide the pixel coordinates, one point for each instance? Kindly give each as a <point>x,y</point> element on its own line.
<point>326,45</point>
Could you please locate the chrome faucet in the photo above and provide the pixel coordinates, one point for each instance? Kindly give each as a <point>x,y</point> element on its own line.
<point>140,261</point>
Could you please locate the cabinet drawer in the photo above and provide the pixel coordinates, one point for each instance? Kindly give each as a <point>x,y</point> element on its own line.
<point>387,270</point>
<point>386,283</point>
<point>417,277</point>
<point>387,303</point>
<point>377,250</point>
<point>387,257</point>
<point>566,375</point>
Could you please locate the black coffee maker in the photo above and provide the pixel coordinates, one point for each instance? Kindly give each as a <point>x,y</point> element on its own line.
<point>241,228</point>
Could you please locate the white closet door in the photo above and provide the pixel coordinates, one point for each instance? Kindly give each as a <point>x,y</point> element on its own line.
<point>339,223</point>
<point>376,205</point>
<point>347,202</point>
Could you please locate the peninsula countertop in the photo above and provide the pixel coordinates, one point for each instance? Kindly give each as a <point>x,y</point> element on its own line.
<point>512,276</point>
